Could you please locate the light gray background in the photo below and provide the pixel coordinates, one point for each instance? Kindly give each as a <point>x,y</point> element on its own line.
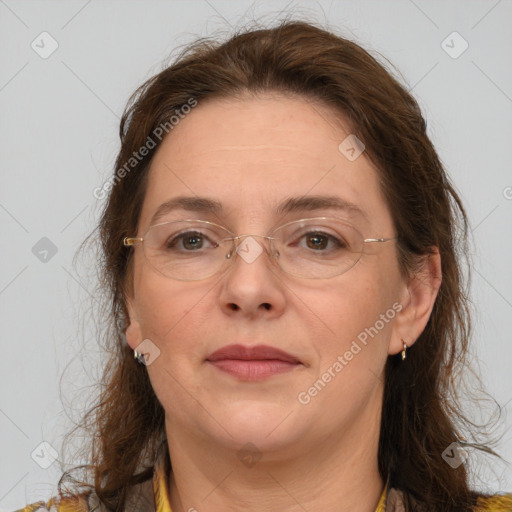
<point>58,140</point>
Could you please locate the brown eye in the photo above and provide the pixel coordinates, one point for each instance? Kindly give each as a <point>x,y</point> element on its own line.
<point>317,241</point>
<point>190,241</point>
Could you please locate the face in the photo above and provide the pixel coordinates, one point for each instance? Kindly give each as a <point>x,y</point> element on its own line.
<point>251,154</point>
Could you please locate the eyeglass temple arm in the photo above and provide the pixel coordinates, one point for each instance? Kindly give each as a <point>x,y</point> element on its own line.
<point>132,241</point>
<point>379,239</point>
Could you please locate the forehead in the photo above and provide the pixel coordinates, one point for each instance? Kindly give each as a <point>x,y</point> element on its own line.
<point>252,154</point>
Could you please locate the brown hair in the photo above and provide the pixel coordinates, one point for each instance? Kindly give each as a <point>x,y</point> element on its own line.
<point>420,416</point>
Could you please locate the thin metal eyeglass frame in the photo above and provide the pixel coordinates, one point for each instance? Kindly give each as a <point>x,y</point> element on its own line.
<point>132,241</point>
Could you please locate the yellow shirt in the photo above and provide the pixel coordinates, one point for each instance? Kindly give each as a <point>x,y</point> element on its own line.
<point>157,498</point>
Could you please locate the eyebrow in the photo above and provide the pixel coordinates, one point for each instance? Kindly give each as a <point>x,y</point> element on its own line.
<point>289,205</point>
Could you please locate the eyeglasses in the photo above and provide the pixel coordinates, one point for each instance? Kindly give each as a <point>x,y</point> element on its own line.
<point>191,250</point>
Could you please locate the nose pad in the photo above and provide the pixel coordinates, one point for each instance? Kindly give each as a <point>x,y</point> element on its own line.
<point>246,255</point>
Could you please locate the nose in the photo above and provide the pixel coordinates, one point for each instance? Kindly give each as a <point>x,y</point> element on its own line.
<point>251,286</point>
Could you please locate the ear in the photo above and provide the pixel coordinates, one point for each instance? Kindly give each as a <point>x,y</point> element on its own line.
<point>133,332</point>
<point>417,300</point>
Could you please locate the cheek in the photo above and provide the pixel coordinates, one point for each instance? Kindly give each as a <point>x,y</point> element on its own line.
<point>358,314</point>
<point>351,354</point>
<point>172,314</point>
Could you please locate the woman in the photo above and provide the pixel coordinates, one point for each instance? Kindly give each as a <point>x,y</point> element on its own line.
<point>281,248</point>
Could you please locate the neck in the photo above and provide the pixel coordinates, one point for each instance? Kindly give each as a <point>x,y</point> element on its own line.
<point>336,474</point>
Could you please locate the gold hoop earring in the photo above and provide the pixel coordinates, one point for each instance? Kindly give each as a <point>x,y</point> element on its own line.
<point>404,351</point>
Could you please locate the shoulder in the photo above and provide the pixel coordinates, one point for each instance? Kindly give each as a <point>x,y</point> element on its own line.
<point>140,498</point>
<point>394,502</point>
<point>76,503</point>
<point>496,503</point>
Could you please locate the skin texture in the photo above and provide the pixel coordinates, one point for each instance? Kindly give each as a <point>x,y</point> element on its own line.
<point>251,153</point>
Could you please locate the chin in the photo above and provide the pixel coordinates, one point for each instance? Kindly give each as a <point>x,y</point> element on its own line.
<point>267,426</point>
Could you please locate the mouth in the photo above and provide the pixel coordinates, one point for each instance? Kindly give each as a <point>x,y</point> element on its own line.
<point>252,363</point>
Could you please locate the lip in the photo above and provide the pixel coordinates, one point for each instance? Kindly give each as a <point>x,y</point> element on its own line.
<point>252,363</point>
<point>244,353</point>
